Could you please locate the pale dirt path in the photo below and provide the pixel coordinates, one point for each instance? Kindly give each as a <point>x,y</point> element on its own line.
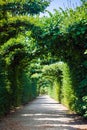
<point>43,113</point>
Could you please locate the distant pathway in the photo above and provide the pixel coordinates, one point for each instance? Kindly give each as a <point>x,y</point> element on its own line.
<point>43,113</point>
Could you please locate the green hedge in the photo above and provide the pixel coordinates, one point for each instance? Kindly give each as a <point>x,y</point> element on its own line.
<point>66,87</point>
<point>4,89</point>
<point>61,89</point>
<point>29,91</point>
<point>16,88</point>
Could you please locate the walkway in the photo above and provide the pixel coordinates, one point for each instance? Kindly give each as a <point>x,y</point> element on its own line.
<point>42,114</point>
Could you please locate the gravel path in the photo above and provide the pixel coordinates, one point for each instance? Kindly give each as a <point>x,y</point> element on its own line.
<point>43,113</point>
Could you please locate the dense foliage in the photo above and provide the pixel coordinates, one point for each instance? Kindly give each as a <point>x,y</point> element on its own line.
<point>42,55</point>
<point>66,38</point>
<point>61,87</point>
<point>65,34</point>
<point>17,49</point>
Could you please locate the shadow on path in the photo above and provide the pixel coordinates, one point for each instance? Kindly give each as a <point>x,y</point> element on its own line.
<point>43,113</point>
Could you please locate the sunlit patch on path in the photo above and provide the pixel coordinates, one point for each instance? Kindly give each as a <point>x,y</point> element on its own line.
<point>43,113</point>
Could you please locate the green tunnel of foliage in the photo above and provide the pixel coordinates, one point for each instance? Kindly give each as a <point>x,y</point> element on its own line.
<point>17,49</point>
<point>61,87</point>
<point>39,55</point>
